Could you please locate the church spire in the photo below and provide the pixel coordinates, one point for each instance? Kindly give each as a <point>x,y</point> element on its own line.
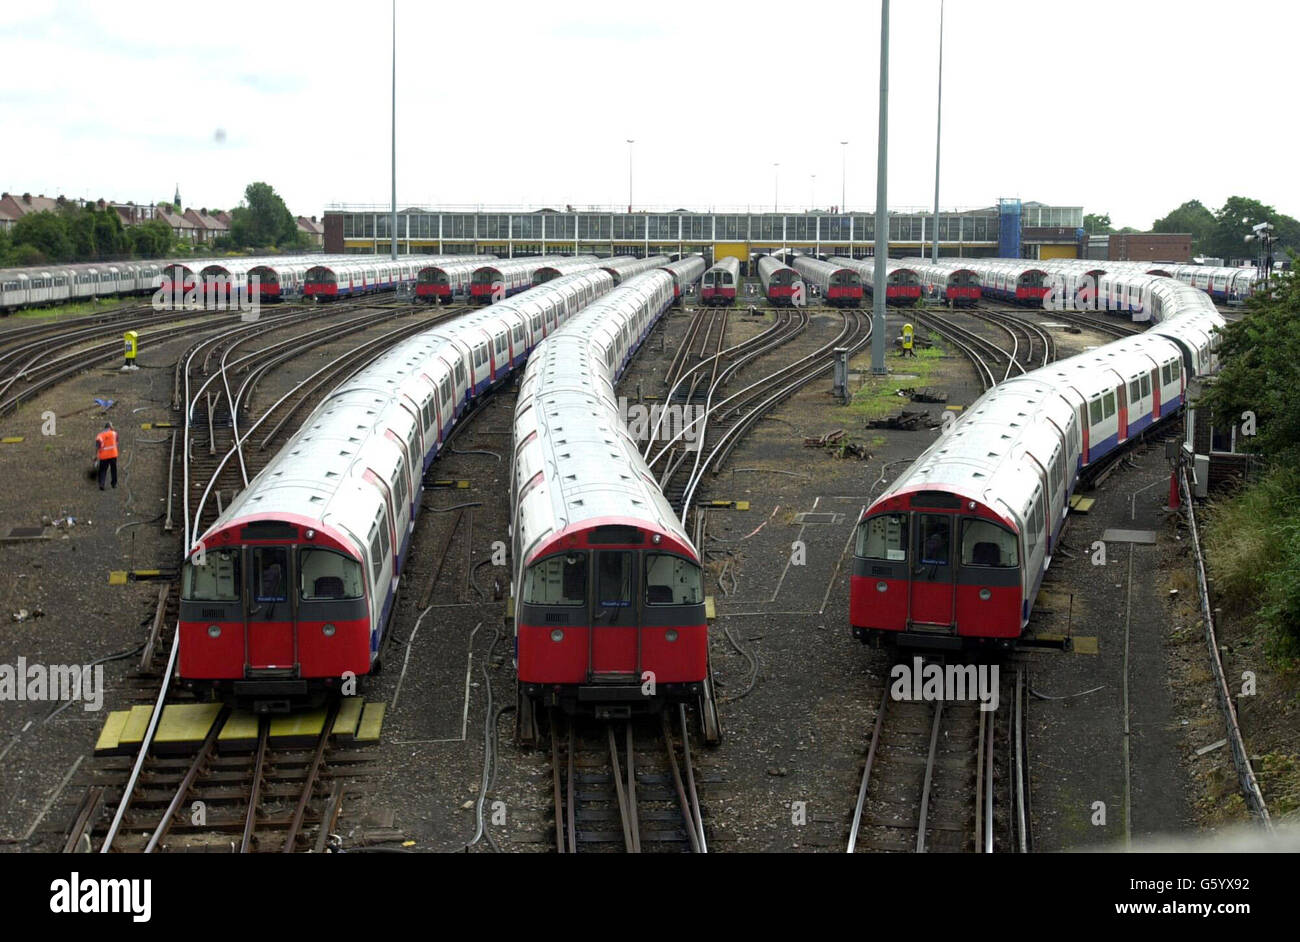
<point>176,200</point>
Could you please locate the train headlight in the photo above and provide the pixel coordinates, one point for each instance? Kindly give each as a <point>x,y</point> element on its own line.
<point>557,634</point>
<point>985,594</point>
<point>311,534</point>
<point>882,586</point>
<point>214,631</point>
<point>670,634</point>
<point>328,630</point>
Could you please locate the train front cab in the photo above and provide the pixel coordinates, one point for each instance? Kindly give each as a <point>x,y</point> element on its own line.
<point>932,570</point>
<point>433,284</point>
<point>272,614</point>
<point>844,288</point>
<point>606,609</point>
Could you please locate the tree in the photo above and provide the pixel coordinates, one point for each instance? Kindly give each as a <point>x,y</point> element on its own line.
<point>262,220</point>
<point>6,244</point>
<point>151,239</point>
<point>1097,224</point>
<point>1255,549</point>
<point>1261,371</point>
<point>47,233</point>
<point>1192,217</point>
<point>1233,223</point>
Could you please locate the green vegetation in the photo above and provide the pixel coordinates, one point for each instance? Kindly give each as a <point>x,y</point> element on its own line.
<point>75,233</point>
<point>878,396</point>
<point>1254,536</point>
<point>1222,233</point>
<point>69,309</point>
<point>263,221</point>
<point>1097,224</point>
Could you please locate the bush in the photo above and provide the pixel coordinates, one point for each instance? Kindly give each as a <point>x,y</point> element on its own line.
<point>1253,544</point>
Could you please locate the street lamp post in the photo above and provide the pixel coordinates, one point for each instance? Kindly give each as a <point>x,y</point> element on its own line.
<point>776,186</point>
<point>393,220</point>
<point>812,191</point>
<point>938,130</point>
<point>630,142</point>
<point>882,209</point>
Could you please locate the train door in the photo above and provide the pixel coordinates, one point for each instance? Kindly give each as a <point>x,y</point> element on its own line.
<point>615,639</point>
<point>270,634</point>
<point>1083,429</point>
<point>1122,392</point>
<point>932,584</point>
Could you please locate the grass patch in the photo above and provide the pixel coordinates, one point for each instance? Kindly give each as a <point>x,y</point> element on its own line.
<point>878,396</point>
<point>70,309</point>
<point>1253,553</point>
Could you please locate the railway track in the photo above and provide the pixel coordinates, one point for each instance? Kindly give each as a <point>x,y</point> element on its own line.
<point>625,785</point>
<point>1112,326</point>
<point>721,421</point>
<point>35,365</point>
<point>946,777</point>
<point>1033,345</point>
<point>280,789</point>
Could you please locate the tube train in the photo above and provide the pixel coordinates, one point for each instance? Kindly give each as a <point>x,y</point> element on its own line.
<point>958,286</point>
<point>357,275</point>
<point>719,285</point>
<point>626,266</point>
<point>55,284</point>
<point>781,283</point>
<point>952,554</point>
<point>902,283</point>
<point>294,583</point>
<point>501,279</point>
<point>685,271</point>
<point>610,615</point>
<point>837,284</point>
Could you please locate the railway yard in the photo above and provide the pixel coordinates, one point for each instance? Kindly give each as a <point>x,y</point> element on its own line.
<point>1091,733</point>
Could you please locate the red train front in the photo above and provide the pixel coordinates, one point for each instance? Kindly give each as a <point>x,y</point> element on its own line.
<point>611,620</point>
<point>273,612</point>
<point>932,569</point>
<point>963,288</point>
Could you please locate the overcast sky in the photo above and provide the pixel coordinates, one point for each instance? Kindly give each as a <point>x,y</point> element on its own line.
<point>1122,106</point>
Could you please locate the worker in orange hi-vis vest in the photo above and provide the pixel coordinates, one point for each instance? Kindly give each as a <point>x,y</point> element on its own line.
<point>106,452</point>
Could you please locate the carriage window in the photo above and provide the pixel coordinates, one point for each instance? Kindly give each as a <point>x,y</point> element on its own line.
<point>325,574</point>
<point>883,537</point>
<point>217,580</point>
<point>1146,385</point>
<point>671,580</point>
<point>614,579</point>
<point>934,539</point>
<point>1175,369</point>
<point>376,554</point>
<point>1094,411</point>
<point>1109,401</point>
<point>460,371</point>
<point>557,580</point>
<point>984,543</point>
<point>270,573</point>
<point>1134,391</point>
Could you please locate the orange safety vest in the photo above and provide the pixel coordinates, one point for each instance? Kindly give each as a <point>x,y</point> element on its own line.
<point>106,442</point>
